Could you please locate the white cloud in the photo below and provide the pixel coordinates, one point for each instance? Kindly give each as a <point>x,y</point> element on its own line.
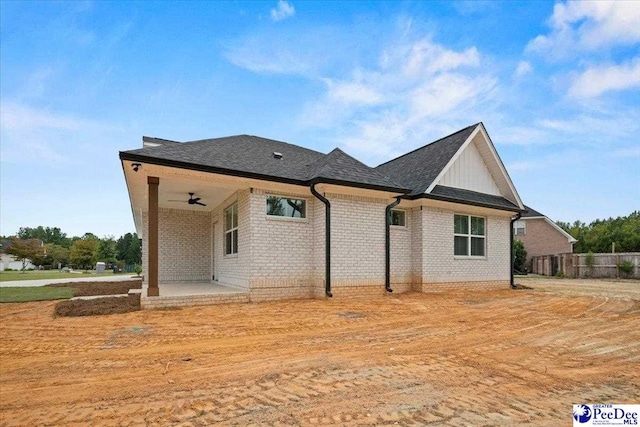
<point>353,93</point>
<point>283,50</point>
<point>31,135</point>
<point>418,90</point>
<point>588,25</point>
<point>18,117</point>
<point>525,166</point>
<point>627,152</point>
<point>284,10</point>
<point>600,79</point>
<point>522,69</point>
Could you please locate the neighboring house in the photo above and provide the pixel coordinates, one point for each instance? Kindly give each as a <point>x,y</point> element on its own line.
<point>9,261</point>
<point>272,207</point>
<point>540,235</point>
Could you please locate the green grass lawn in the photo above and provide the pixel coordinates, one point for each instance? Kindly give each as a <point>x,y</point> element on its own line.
<point>35,293</point>
<point>8,276</point>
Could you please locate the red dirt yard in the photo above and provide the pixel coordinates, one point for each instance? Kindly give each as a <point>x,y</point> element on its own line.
<point>477,358</point>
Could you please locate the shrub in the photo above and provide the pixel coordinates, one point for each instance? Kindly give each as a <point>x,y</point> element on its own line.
<point>560,275</point>
<point>520,256</point>
<point>9,269</point>
<point>626,267</point>
<point>137,269</point>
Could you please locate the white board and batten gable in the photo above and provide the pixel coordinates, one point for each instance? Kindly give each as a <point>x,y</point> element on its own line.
<point>476,166</point>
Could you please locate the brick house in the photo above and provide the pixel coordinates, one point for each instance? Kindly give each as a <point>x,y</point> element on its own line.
<point>540,235</point>
<point>273,220</point>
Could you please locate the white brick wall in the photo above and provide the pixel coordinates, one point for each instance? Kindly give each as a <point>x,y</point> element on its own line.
<point>281,249</point>
<point>234,269</point>
<point>357,240</point>
<point>439,264</point>
<point>284,258</point>
<point>184,246</point>
<point>401,244</point>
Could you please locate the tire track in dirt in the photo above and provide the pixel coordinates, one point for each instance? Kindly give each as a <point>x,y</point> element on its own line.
<point>498,358</point>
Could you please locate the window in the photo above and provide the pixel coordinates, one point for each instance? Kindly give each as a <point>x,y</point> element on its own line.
<point>520,228</point>
<point>284,206</point>
<point>231,230</point>
<point>398,217</point>
<point>468,235</point>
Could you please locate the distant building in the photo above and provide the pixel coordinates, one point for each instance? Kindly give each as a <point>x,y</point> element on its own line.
<point>540,235</point>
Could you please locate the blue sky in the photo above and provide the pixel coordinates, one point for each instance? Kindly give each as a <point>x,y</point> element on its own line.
<point>556,84</point>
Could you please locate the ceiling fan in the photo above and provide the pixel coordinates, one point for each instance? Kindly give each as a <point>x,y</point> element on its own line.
<point>192,200</point>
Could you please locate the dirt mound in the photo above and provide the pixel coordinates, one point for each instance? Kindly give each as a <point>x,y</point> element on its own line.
<point>98,306</point>
<point>100,288</point>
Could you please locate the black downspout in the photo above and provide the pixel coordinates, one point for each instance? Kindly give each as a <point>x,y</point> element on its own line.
<point>511,258</point>
<point>387,248</point>
<point>327,240</point>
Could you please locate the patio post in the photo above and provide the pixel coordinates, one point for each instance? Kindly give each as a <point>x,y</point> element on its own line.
<point>152,237</point>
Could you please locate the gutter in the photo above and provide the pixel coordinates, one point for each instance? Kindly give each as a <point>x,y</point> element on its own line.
<point>463,202</point>
<point>512,255</point>
<point>327,240</point>
<point>135,157</point>
<point>387,248</point>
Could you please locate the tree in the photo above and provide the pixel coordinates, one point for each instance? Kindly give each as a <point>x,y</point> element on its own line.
<point>520,256</point>
<point>598,236</point>
<point>83,252</point>
<point>25,250</point>
<point>107,250</point>
<point>56,254</point>
<point>46,234</point>
<point>129,249</point>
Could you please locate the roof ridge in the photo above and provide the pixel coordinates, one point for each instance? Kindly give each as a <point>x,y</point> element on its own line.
<point>257,137</point>
<point>144,137</point>
<point>324,162</point>
<point>429,144</point>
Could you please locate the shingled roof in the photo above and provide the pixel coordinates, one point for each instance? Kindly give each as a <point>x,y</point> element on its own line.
<point>261,158</point>
<point>530,212</point>
<point>417,169</point>
<point>255,157</point>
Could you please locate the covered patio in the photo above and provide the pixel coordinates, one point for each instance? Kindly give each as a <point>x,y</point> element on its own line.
<point>190,294</point>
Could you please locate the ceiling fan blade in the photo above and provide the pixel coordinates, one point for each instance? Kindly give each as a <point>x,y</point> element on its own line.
<point>196,199</point>
<point>195,202</point>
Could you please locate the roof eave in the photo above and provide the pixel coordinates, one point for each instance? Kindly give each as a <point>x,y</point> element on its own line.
<point>463,202</point>
<point>362,185</point>
<point>124,155</point>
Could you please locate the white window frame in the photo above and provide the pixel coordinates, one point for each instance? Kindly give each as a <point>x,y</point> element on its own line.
<point>520,224</point>
<point>405,218</point>
<point>287,218</point>
<point>230,230</point>
<point>468,235</point>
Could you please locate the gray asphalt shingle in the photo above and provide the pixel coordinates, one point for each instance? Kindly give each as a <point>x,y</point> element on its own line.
<point>530,212</point>
<point>417,170</point>
<point>251,155</point>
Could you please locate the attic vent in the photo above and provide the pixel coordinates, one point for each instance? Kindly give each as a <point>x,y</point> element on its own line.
<point>277,155</point>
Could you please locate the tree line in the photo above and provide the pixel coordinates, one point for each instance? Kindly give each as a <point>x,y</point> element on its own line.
<point>598,236</point>
<point>59,250</point>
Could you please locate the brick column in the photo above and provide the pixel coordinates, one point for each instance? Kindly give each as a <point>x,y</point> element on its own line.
<point>152,239</point>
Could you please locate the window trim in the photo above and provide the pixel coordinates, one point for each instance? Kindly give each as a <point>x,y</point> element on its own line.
<point>524,228</point>
<point>231,254</point>
<point>287,218</point>
<point>405,219</point>
<point>469,236</point>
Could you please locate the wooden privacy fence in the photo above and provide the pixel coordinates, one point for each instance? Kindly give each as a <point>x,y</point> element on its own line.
<point>576,265</point>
